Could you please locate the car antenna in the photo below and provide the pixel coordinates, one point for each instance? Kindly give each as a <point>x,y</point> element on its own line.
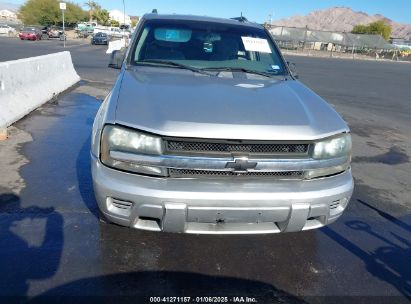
<point>241,18</point>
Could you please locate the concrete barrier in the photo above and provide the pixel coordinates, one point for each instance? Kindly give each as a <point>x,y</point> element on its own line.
<point>117,45</point>
<point>28,83</point>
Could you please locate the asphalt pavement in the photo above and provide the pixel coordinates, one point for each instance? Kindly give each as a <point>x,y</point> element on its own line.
<point>52,243</point>
<point>90,60</point>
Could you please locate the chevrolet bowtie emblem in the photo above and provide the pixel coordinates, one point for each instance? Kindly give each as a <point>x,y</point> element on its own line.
<point>241,165</point>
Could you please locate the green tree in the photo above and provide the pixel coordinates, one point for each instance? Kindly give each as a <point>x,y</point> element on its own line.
<point>101,15</point>
<point>375,28</point>
<point>42,12</point>
<point>74,14</point>
<point>382,28</point>
<point>97,13</point>
<point>360,29</point>
<point>47,12</point>
<point>91,5</point>
<point>134,21</point>
<point>115,23</point>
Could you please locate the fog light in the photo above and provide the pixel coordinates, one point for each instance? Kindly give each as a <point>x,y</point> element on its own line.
<point>323,172</point>
<point>344,202</point>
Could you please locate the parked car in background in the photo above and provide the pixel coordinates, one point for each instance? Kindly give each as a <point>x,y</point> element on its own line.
<point>114,32</point>
<point>85,26</point>
<point>100,38</point>
<point>85,33</point>
<point>54,32</point>
<point>44,32</point>
<point>30,33</point>
<point>50,32</point>
<point>6,30</point>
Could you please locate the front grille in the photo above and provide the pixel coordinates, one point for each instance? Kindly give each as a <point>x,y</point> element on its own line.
<point>188,173</point>
<point>222,147</point>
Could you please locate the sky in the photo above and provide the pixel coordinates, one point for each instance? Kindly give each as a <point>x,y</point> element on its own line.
<point>256,10</point>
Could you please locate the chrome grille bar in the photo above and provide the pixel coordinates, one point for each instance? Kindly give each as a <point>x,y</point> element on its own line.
<point>218,163</point>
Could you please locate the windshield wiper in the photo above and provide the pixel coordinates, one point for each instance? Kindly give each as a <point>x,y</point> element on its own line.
<point>173,64</point>
<point>244,70</point>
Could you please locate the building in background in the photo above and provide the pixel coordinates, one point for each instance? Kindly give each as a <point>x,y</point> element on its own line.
<point>332,41</point>
<point>401,43</point>
<point>119,17</point>
<point>8,15</point>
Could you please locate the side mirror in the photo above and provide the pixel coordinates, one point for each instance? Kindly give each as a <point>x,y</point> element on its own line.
<point>293,69</point>
<point>116,59</point>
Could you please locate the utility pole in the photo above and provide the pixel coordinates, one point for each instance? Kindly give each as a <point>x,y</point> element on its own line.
<point>124,14</point>
<point>63,8</point>
<point>271,15</point>
<point>353,49</point>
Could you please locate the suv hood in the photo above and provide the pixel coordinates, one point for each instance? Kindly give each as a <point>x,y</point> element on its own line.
<point>180,103</point>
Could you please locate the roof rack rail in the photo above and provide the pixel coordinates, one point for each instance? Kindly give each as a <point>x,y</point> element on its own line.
<point>154,11</point>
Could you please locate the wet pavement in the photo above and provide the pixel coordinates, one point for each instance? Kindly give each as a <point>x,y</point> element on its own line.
<point>52,243</point>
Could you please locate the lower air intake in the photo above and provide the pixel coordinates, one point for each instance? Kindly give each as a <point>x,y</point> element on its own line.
<point>186,173</point>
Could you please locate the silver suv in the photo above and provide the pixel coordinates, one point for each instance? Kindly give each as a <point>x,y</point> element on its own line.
<point>207,131</point>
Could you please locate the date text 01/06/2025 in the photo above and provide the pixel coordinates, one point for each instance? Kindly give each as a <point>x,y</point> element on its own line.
<point>239,299</point>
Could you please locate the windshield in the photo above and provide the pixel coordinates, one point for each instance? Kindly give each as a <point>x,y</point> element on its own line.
<point>28,29</point>
<point>208,46</point>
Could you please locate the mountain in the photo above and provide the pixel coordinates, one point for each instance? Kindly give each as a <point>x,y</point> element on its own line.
<point>342,19</point>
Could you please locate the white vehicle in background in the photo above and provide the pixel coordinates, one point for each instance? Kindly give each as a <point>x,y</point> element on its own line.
<point>113,32</point>
<point>86,26</point>
<point>6,30</point>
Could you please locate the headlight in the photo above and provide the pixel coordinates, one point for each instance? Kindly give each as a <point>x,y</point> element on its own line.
<point>333,148</point>
<point>337,147</point>
<point>121,139</point>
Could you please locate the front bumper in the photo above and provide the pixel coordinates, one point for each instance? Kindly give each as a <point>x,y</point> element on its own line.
<point>219,206</point>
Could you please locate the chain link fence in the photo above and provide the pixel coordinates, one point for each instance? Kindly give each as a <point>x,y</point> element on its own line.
<point>334,44</point>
